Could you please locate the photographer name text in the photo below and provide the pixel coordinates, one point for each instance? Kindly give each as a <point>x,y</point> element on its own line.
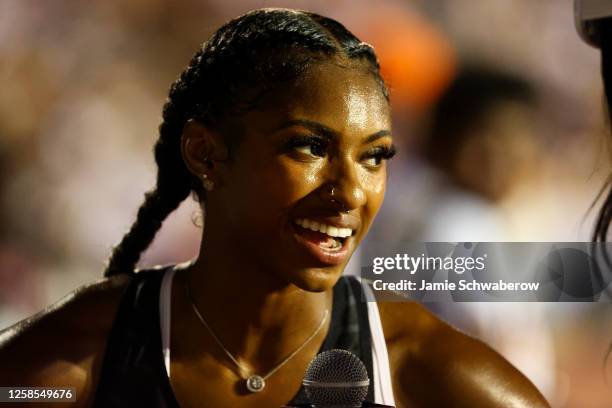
<point>461,285</point>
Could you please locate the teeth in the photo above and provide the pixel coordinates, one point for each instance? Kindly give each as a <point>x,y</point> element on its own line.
<point>345,232</point>
<point>330,230</point>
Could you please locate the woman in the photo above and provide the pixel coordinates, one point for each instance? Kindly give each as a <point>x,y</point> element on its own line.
<point>280,127</point>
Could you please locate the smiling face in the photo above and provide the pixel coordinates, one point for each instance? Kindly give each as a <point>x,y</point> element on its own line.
<point>308,176</point>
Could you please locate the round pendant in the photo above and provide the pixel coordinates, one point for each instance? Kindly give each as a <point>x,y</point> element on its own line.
<point>255,383</point>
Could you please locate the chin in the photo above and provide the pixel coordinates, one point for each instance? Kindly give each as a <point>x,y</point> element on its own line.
<point>316,279</point>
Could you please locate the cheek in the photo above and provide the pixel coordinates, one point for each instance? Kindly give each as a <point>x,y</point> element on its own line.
<point>287,181</point>
<point>378,185</point>
<point>295,180</point>
<point>270,189</point>
<point>374,185</point>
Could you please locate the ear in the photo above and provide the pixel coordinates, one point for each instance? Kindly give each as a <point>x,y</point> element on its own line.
<point>203,150</point>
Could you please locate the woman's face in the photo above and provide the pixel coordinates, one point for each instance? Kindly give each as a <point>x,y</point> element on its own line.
<point>328,131</point>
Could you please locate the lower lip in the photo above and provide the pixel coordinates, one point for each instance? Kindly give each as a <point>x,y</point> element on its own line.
<point>335,257</point>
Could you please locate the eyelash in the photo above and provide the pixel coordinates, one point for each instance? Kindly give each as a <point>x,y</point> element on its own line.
<point>380,153</point>
<point>304,141</point>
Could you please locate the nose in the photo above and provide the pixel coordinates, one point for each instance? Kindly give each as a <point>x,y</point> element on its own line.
<point>343,188</point>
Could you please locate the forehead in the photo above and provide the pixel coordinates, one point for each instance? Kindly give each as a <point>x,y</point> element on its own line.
<point>346,98</point>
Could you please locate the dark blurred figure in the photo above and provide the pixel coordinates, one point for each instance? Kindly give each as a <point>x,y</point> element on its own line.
<point>480,146</point>
<point>482,132</point>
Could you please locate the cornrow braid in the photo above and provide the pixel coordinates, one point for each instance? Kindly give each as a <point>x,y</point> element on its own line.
<point>244,59</point>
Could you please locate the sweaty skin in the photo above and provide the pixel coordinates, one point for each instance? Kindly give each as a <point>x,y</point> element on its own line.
<point>255,282</point>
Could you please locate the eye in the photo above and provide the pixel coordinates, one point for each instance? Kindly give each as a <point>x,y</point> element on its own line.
<point>309,145</point>
<point>374,157</point>
<point>312,149</point>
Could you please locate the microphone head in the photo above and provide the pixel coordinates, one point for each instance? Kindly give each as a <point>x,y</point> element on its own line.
<point>336,378</point>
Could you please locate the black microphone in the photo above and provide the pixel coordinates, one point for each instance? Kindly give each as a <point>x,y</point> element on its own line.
<point>337,378</point>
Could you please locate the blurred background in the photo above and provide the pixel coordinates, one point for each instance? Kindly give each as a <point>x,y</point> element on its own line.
<point>497,111</point>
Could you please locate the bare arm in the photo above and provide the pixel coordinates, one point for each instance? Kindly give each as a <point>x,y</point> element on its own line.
<point>453,369</point>
<point>64,345</point>
<point>435,365</point>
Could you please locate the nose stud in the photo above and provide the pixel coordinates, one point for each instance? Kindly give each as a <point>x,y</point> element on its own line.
<point>332,198</point>
<point>332,193</point>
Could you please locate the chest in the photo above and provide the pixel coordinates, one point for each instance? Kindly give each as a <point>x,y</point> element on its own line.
<point>212,381</point>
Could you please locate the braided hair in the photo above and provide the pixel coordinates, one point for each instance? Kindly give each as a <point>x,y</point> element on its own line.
<point>247,57</point>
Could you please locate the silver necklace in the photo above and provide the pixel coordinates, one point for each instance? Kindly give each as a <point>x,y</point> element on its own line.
<point>253,382</point>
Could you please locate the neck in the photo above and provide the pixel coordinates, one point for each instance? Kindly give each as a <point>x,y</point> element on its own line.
<point>250,308</point>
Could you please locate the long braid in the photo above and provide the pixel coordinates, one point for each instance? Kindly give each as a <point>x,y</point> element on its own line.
<point>174,182</point>
<point>223,79</point>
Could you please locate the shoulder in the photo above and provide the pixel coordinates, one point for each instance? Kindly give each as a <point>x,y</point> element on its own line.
<point>434,364</point>
<point>63,344</point>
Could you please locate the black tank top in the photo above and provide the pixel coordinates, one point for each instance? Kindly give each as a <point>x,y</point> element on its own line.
<point>133,372</point>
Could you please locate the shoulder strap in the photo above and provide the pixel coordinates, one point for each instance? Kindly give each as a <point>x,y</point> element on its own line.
<point>382,382</point>
<point>365,336</point>
<point>132,370</point>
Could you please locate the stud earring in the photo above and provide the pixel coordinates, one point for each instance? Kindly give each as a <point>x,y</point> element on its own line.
<point>207,182</point>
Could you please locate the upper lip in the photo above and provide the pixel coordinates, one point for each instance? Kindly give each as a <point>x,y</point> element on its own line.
<point>338,220</point>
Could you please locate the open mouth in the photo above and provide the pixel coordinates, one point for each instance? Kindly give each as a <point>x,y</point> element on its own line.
<point>326,242</point>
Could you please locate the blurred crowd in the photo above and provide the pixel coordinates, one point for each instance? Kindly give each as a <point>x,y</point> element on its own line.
<point>497,113</point>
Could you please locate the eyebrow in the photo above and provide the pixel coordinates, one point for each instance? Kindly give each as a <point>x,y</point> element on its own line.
<point>328,132</point>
